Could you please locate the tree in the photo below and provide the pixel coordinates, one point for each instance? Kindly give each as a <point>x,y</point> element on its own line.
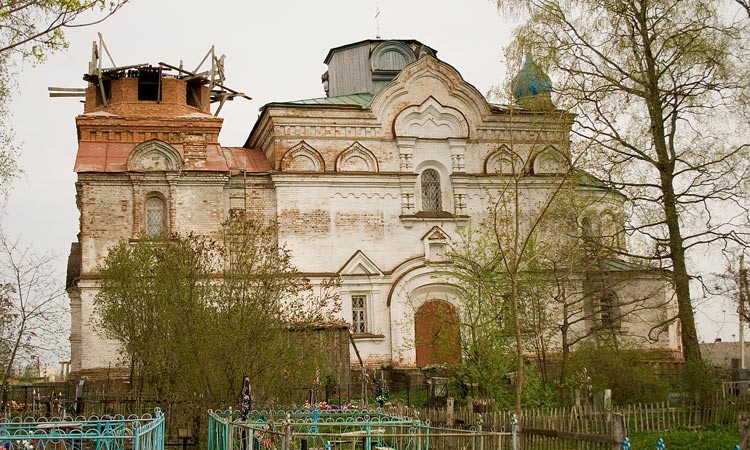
<point>500,274</point>
<point>588,309</point>
<point>30,29</point>
<point>566,279</point>
<point>262,298</point>
<point>650,81</point>
<point>196,316</point>
<point>31,304</point>
<point>488,338</point>
<point>147,291</point>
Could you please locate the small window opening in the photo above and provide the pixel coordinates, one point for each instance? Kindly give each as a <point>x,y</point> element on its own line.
<point>359,314</point>
<point>431,194</point>
<point>194,90</point>
<point>607,307</point>
<point>149,83</point>
<point>107,92</point>
<point>154,216</point>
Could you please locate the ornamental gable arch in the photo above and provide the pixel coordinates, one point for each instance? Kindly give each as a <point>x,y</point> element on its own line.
<point>550,161</point>
<point>356,158</point>
<point>154,156</point>
<point>431,120</point>
<point>302,158</point>
<point>429,80</point>
<point>503,161</point>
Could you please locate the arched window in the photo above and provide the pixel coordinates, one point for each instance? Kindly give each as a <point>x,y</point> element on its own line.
<point>608,310</point>
<point>154,216</point>
<point>431,194</point>
<point>590,228</point>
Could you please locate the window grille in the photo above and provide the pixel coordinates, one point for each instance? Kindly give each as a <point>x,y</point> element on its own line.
<point>154,216</point>
<point>607,307</point>
<point>359,314</point>
<point>431,194</point>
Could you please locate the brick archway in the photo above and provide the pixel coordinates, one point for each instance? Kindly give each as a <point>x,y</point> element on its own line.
<point>437,334</point>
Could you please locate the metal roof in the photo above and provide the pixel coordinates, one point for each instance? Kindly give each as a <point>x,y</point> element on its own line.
<point>113,157</point>
<point>362,100</point>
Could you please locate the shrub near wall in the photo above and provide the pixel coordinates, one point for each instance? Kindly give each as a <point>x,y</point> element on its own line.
<point>709,438</point>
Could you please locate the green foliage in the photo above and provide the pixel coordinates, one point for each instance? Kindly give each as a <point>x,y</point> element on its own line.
<point>700,380</point>
<point>597,366</point>
<point>31,29</point>
<point>186,331</point>
<point>486,321</point>
<point>709,438</point>
<point>652,85</point>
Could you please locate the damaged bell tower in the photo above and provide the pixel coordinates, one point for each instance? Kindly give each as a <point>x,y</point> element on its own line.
<point>149,163</point>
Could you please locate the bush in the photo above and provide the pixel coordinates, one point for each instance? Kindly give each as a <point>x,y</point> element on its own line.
<point>623,370</point>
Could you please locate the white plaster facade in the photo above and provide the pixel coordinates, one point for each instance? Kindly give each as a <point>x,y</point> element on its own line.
<point>342,178</point>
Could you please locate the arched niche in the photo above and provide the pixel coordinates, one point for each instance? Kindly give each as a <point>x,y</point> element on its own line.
<point>431,120</point>
<point>154,156</point>
<point>302,158</point>
<point>356,158</point>
<point>550,161</point>
<point>503,161</point>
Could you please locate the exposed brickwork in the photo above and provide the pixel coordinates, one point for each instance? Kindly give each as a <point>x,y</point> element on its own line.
<point>367,227</point>
<point>308,222</point>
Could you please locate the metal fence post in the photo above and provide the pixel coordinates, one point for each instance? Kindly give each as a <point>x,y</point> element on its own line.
<point>514,431</point>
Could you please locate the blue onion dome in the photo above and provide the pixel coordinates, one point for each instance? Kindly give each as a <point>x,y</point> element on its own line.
<point>531,87</point>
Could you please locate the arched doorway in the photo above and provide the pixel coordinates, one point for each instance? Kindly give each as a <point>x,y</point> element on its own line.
<point>436,334</point>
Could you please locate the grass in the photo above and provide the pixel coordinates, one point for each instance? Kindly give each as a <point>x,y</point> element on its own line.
<point>709,438</point>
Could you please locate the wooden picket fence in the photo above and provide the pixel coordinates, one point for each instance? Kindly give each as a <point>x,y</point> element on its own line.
<point>661,416</point>
<point>664,417</point>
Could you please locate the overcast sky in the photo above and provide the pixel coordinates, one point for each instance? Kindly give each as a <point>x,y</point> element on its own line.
<point>274,52</point>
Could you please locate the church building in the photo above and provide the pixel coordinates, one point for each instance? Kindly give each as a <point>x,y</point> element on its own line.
<point>371,184</point>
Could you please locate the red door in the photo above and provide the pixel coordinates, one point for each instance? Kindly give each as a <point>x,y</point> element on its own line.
<point>436,334</point>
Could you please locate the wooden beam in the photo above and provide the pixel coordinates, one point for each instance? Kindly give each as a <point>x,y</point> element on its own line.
<point>62,89</point>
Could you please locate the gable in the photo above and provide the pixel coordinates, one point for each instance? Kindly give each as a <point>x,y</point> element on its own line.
<point>153,156</point>
<point>302,158</point>
<point>360,264</point>
<point>425,79</point>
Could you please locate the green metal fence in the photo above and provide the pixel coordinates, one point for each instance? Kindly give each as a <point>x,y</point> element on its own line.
<point>117,432</point>
<point>340,430</point>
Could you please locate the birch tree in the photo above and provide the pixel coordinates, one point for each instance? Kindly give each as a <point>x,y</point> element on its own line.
<point>656,86</point>
<point>32,306</point>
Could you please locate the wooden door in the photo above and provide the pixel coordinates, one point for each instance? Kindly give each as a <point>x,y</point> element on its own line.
<point>436,334</point>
